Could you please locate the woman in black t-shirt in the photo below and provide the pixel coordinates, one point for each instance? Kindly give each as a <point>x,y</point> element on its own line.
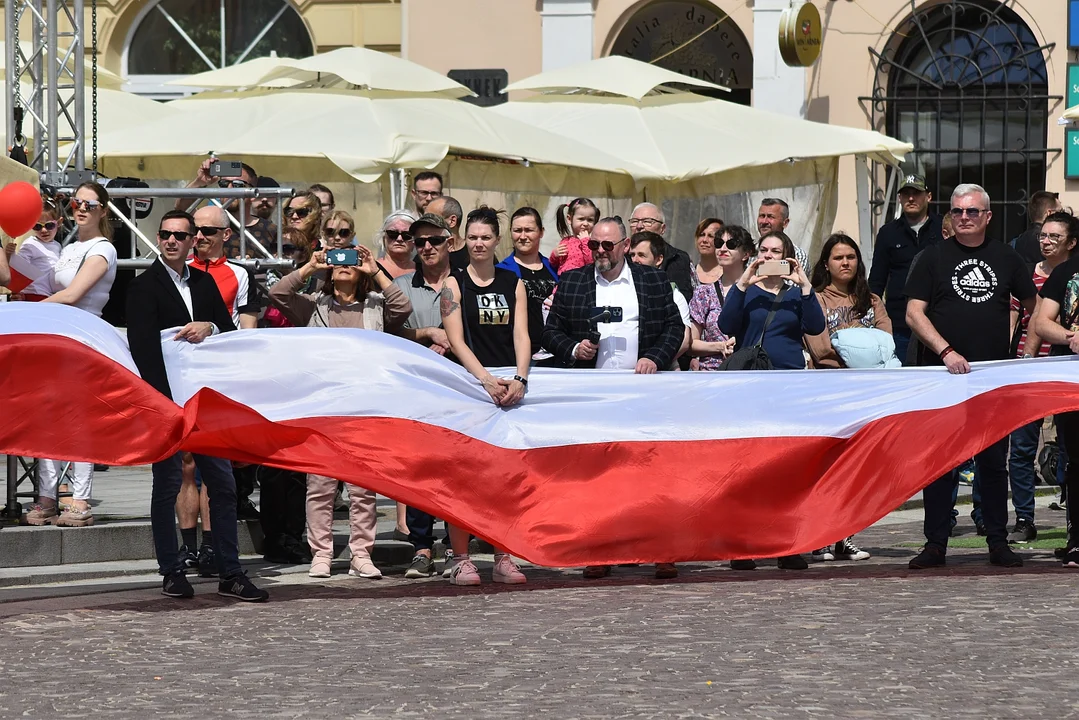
<point>485,314</point>
<point>536,273</point>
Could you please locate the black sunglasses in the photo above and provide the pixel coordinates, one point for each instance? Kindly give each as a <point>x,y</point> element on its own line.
<point>729,243</point>
<point>339,232</point>
<point>50,226</point>
<point>607,245</point>
<point>178,234</point>
<point>435,241</point>
<point>232,184</point>
<point>972,213</point>
<point>300,212</point>
<point>209,230</point>
<point>405,235</point>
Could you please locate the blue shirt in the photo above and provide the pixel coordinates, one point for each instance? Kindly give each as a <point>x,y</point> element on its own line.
<point>744,314</point>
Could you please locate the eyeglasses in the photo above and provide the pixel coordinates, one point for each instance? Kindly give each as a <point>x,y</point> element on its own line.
<point>235,183</point>
<point>209,230</point>
<point>729,243</point>
<point>393,235</point>
<point>300,212</point>
<point>1051,237</point>
<point>178,234</point>
<point>644,222</point>
<point>339,232</point>
<point>435,241</point>
<point>85,205</point>
<point>429,193</point>
<point>50,226</point>
<point>607,245</point>
<point>972,213</point>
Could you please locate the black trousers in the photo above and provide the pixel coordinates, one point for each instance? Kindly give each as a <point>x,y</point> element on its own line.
<point>1068,437</point>
<point>939,498</point>
<point>282,505</point>
<point>245,482</point>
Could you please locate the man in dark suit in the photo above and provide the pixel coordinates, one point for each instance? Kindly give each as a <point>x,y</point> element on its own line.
<point>171,294</point>
<point>615,314</point>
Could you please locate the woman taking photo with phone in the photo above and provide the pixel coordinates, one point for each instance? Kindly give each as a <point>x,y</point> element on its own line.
<point>764,284</point>
<point>360,296</point>
<point>485,314</point>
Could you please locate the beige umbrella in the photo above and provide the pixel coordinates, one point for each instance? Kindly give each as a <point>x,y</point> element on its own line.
<point>620,106</point>
<point>241,75</point>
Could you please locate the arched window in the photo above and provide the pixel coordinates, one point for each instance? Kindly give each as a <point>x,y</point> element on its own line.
<point>965,81</point>
<point>173,38</point>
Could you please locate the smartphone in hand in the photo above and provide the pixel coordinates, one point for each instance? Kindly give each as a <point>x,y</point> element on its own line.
<point>348,257</point>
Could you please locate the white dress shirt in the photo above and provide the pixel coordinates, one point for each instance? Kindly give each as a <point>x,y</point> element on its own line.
<point>618,341</point>
<point>181,283</point>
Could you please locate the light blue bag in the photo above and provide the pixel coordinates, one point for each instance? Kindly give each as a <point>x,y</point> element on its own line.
<point>865,348</point>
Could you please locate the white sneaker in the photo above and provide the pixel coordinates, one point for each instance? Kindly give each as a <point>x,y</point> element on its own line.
<point>847,550</point>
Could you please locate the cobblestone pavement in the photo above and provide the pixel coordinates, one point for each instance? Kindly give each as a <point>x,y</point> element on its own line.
<point>842,640</point>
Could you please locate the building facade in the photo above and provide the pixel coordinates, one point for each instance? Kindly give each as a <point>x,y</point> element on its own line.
<point>976,85</point>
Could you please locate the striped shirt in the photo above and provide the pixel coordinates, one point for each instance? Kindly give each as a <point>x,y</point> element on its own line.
<point>1024,320</point>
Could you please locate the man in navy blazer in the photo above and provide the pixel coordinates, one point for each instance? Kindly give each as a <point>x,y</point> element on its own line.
<point>648,337</point>
<point>171,294</point>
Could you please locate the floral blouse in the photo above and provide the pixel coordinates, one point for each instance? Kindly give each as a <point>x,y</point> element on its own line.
<point>704,309</point>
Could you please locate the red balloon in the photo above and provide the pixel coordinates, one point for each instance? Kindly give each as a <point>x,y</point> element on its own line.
<point>20,207</point>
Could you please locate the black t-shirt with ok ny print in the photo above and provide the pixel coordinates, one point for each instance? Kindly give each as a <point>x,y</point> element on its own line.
<point>969,291</point>
<point>1062,287</point>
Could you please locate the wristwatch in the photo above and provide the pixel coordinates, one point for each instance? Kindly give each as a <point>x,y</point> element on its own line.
<point>523,381</point>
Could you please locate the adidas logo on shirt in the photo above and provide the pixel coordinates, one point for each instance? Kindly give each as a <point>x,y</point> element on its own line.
<point>974,281</point>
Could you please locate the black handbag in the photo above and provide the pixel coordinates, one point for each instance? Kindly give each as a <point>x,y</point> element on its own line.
<point>755,357</point>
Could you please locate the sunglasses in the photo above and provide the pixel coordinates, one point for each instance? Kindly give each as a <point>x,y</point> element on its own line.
<point>339,232</point>
<point>972,213</point>
<point>393,235</point>
<point>85,205</point>
<point>209,230</point>
<point>607,245</point>
<point>232,184</point>
<point>730,244</point>
<point>49,226</point>
<point>300,212</point>
<point>178,234</point>
<point>435,241</point>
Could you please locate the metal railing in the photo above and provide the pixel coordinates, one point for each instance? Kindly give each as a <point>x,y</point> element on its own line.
<point>222,197</point>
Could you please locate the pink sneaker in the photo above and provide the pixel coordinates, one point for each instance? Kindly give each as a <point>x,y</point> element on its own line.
<point>464,573</point>
<point>506,571</point>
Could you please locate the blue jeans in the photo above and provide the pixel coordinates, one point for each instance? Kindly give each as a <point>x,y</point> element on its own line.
<point>221,487</point>
<point>901,336</point>
<point>1021,469</point>
<point>992,474</point>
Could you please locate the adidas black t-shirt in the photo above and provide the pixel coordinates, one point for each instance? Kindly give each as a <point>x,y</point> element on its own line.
<point>1062,287</point>
<point>969,293</point>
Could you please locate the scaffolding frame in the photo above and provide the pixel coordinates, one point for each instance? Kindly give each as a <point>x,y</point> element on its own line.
<point>50,65</point>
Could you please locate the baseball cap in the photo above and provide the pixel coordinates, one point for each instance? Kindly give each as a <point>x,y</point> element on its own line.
<point>265,181</point>
<point>914,181</point>
<point>429,219</point>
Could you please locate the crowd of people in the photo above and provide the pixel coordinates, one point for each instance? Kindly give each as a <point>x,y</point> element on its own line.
<point>613,294</point>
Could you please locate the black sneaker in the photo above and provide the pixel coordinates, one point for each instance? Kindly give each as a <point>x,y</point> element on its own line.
<point>177,586</point>
<point>980,528</point>
<point>189,558</point>
<point>1071,557</point>
<point>1023,532</point>
<point>1059,553</point>
<point>743,565</point>
<point>1003,556</point>
<point>241,588</point>
<point>792,562</point>
<point>421,567</point>
<point>930,557</point>
<point>207,562</point>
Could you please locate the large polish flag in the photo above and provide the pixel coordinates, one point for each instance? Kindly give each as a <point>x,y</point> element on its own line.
<point>592,467</point>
